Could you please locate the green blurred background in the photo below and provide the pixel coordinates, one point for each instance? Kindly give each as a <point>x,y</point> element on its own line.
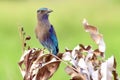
<point>67,20</point>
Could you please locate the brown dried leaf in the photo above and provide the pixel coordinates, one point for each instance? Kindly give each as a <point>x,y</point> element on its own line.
<point>27,60</point>
<point>74,75</point>
<point>44,59</point>
<point>45,72</point>
<point>89,28</point>
<point>35,65</point>
<point>68,50</point>
<point>98,53</point>
<point>60,55</point>
<point>114,72</point>
<point>115,75</point>
<point>95,35</point>
<point>83,48</point>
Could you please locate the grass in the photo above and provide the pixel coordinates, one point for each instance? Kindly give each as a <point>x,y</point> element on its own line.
<point>66,18</point>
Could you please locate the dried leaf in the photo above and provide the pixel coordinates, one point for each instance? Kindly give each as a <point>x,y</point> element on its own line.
<point>96,75</point>
<point>74,75</point>
<point>35,65</point>
<point>84,68</point>
<point>95,35</point>
<point>115,74</point>
<point>84,48</point>
<point>45,72</point>
<point>74,54</point>
<point>67,56</point>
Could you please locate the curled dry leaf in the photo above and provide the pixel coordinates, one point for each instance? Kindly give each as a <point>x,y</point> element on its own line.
<point>35,65</point>
<point>95,35</point>
<point>45,72</point>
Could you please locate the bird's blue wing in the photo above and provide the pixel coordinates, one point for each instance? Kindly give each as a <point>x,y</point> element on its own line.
<point>53,37</point>
<point>51,42</point>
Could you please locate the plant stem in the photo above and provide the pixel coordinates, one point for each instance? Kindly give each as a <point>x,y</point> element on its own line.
<point>20,28</point>
<point>64,62</point>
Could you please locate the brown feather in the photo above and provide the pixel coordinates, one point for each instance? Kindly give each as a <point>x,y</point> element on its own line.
<point>42,32</point>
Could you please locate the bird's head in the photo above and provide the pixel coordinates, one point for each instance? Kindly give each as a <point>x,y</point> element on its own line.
<point>44,11</point>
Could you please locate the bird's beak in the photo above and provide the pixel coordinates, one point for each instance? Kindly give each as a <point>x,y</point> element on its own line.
<point>49,11</point>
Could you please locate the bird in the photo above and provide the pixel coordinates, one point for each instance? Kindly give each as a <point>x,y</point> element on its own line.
<point>45,32</point>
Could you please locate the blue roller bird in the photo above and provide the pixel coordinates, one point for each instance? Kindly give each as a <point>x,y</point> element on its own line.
<point>45,32</point>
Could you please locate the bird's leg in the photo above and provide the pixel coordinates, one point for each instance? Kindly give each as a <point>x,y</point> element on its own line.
<point>44,49</point>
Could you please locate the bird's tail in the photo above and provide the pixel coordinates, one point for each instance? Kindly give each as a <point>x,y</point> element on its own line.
<point>55,51</point>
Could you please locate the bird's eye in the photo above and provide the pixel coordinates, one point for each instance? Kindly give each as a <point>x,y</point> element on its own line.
<point>42,11</point>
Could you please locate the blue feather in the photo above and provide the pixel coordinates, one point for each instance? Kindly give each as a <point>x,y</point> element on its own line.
<point>54,40</point>
<point>51,43</point>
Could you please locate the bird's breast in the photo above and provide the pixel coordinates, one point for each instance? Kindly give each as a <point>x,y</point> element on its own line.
<point>42,33</point>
